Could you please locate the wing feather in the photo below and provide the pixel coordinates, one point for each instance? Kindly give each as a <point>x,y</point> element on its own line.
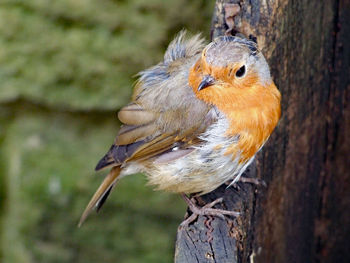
<point>164,110</point>
<point>164,113</point>
<point>134,114</point>
<point>131,134</point>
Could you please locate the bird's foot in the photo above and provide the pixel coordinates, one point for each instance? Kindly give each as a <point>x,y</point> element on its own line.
<point>205,210</point>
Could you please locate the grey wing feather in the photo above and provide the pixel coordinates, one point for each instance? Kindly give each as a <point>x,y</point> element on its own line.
<point>182,48</point>
<point>161,100</point>
<point>178,50</point>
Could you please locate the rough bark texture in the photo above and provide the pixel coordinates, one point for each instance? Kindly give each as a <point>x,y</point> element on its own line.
<point>211,239</point>
<point>303,215</point>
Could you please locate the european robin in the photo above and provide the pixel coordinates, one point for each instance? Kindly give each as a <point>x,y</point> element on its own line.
<point>196,119</point>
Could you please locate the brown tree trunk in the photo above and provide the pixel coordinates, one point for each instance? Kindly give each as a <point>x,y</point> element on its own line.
<point>303,215</point>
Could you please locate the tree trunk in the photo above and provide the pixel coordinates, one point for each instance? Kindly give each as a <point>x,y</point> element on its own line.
<point>303,215</point>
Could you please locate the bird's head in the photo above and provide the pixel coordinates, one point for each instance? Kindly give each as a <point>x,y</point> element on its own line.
<point>230,69</point>
<point>233,75</point>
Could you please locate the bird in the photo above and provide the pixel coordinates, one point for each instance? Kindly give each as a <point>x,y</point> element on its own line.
<point>196,119</point>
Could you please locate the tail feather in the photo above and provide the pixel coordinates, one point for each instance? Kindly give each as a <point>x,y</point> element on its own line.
<point>104,198</point>
<point>101,194</point>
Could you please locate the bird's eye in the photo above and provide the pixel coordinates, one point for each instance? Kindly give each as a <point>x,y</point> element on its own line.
<point>240,72</point>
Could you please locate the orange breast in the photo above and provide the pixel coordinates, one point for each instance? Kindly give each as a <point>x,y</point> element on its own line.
<point>253,110</point>
<point>254,120</point>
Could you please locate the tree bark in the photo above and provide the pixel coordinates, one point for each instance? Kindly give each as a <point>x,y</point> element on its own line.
<point>303,214</point>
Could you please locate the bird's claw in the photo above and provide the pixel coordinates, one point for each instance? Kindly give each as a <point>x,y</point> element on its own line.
<point>206,210</point>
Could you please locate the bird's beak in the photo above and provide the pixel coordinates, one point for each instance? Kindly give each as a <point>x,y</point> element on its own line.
<point>206,82</point>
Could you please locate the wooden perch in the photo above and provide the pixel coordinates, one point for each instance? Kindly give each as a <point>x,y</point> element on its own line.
<point>303,214</point>
<point>211,239</point>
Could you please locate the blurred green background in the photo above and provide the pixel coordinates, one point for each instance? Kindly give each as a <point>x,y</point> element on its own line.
<point>66,67</point>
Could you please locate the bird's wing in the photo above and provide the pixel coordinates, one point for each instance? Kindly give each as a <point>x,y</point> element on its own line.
<point>164,111</point>
<point>145,134</point>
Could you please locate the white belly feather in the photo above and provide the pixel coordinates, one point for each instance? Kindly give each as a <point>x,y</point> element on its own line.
<point>202,170</point>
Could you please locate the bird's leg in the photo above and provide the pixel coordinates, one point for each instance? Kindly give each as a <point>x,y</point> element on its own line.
<point>255,181</point>
<point>205,210</point>
<point>249,180</point>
